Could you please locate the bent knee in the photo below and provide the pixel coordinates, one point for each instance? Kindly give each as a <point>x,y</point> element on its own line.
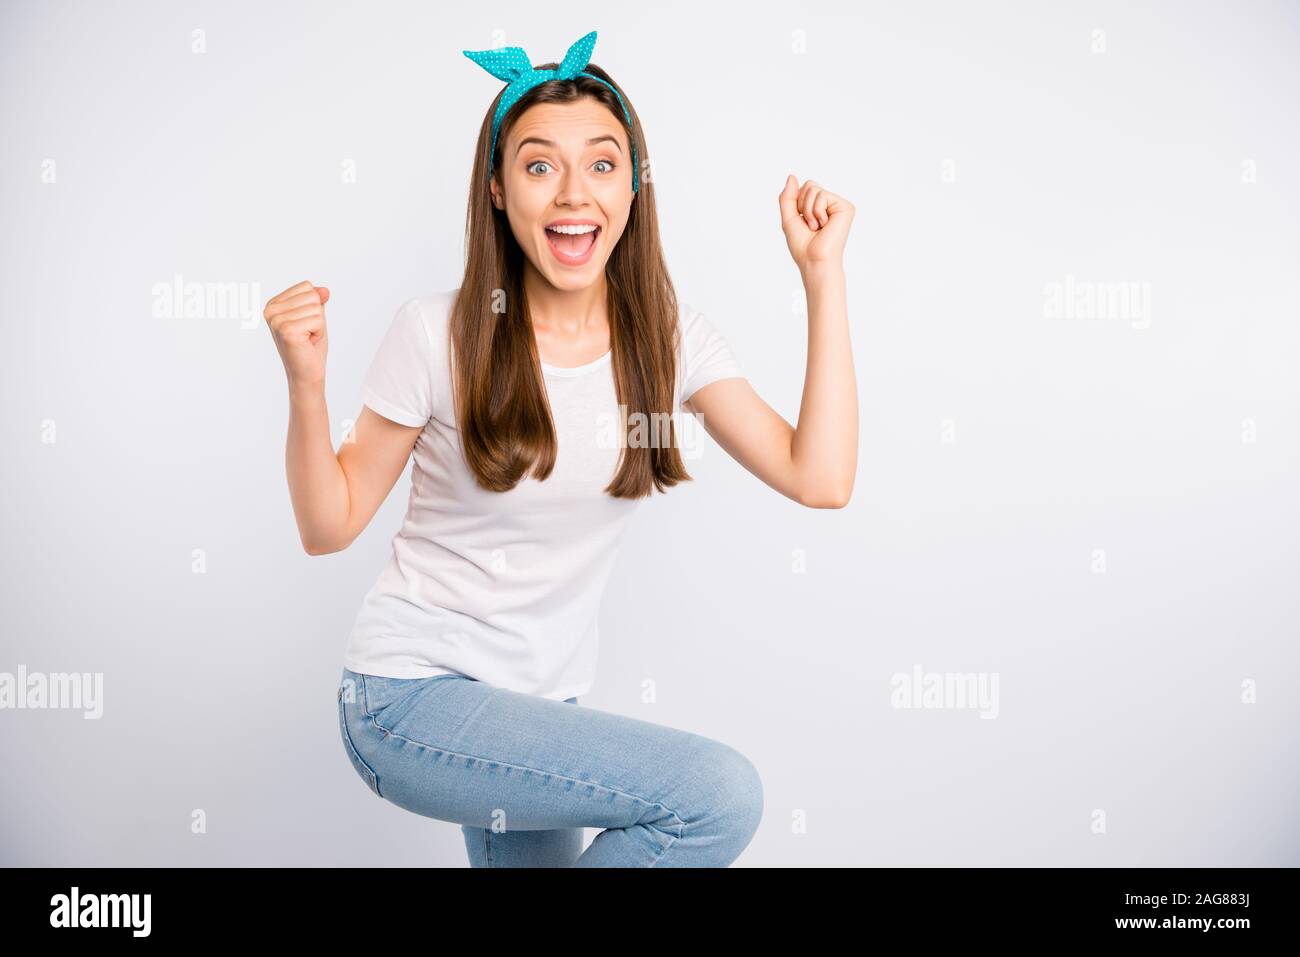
<point>731,796</point>
<point>745,785</point>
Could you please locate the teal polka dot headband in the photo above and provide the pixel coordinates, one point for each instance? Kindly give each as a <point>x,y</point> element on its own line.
<point>513,65</point>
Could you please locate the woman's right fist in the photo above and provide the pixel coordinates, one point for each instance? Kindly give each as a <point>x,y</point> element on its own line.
<point>297,320</point>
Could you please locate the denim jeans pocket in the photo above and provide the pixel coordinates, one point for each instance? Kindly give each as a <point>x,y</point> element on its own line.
<point>358,763</point>
<point>382,693</point>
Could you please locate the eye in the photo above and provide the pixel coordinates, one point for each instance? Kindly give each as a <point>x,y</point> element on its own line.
<point>608,163</point>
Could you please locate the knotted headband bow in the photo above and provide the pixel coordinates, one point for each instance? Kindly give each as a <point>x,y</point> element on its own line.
<point>512,65</point>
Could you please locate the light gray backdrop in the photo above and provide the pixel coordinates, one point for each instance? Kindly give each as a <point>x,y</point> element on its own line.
<point>1090,497</point>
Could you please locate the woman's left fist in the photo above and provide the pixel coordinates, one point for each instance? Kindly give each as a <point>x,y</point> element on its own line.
<point>816,223</point>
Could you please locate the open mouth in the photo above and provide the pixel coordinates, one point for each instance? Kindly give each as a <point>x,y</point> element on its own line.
<point>572,245</point>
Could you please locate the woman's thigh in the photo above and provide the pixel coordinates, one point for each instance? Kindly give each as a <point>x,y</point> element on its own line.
<point>485,757</point>
<point>556,847</point>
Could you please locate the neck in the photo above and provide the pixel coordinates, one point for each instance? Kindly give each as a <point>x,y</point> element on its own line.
<point>565,313</point>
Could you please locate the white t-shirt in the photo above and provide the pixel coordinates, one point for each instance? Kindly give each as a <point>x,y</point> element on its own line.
<point>504,587</point>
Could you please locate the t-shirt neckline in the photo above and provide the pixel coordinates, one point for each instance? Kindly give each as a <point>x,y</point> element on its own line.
<point>577,370</point>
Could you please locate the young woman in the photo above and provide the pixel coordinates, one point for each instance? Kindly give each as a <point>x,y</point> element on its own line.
<point>464,666</point>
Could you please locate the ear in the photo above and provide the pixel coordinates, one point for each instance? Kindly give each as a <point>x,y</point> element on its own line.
<point>494,186</point>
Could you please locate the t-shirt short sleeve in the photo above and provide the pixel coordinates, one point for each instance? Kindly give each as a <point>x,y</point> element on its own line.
<point>706,356</point>
<point>399,383</point>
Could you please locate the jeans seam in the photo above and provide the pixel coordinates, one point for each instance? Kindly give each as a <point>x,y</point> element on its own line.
<point>677,819</point>
<point>655,860</point>
<point>347,737</point>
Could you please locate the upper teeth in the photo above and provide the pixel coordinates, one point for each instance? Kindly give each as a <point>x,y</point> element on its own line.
<point>573,230</point>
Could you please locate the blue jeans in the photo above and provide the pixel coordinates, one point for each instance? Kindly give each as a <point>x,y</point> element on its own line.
<point>523,775</point>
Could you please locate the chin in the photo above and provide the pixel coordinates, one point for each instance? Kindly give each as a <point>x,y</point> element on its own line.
<point>571,280</point>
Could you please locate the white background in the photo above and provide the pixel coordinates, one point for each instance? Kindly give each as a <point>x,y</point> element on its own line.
<point>1119,692</point>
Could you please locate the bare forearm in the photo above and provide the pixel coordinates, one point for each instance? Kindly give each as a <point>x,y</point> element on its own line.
<point>318,486</point>
<point>824,447</point>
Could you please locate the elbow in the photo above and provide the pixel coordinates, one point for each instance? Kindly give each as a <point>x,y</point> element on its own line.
<point>827,497</point>
<point>327,541</point>
<point>323,548</point>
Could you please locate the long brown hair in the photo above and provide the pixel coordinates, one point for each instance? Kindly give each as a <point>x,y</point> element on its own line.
<point>502,411</point>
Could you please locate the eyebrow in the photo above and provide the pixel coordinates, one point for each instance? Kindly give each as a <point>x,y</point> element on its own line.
<point>551,143</point>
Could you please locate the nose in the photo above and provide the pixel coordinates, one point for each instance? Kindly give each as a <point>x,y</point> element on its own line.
<point>573,188</point>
